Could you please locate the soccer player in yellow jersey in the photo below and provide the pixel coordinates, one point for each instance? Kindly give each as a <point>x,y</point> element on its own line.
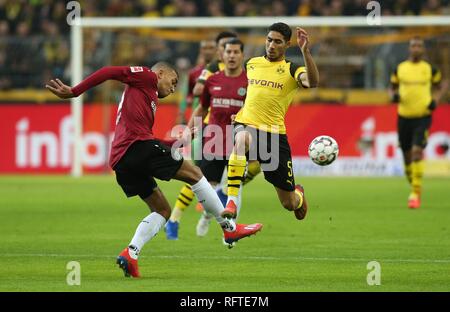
<point>260,131</point>
<point>412,84</point>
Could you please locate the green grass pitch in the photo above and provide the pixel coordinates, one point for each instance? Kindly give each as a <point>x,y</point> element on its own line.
<point>45,222</point>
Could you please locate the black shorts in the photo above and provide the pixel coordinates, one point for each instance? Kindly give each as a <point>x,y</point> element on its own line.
<point>273,152</point>
<point>213,169</point>
<point>144,161</point>
<point>413,131</point>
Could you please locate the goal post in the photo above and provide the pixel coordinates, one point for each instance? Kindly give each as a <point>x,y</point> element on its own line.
<point>76,49</point>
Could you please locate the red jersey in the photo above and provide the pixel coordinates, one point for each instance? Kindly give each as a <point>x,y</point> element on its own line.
<point>194,73</point>
<point>224,96</point>
<point>136,113</point>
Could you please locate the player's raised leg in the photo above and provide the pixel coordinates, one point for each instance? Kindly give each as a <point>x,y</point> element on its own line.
<point>211,202</point>
<point>146,230</point>
<point>294,201</point>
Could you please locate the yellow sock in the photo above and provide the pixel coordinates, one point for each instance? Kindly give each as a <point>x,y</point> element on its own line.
<point>300,202</point>
<point>184,199</point>
<point>236,171</point>
<point>417,173</point>
<point>408,172</point>
<point>252,171</point>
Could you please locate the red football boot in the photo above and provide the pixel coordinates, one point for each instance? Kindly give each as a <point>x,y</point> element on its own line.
<point>128,264</point>
<point>414,201</point>
<point>300,213</point>
<point>230,210</point>
<point>242,230</point>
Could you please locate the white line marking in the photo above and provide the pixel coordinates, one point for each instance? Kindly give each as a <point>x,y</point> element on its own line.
<point>11,255</point>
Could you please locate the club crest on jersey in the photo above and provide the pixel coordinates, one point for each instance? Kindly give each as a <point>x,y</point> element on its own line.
<point>153,105</point>
<point>280,70</point>
<point>136,69</point>
<point>242,91</point>
<point>251,67</point>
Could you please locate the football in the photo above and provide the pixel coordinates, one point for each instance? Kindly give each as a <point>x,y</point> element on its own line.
<point>323,150</point>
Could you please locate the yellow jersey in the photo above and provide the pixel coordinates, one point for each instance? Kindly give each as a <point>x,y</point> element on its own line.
<point>415,81</point>
<point>271,88</point>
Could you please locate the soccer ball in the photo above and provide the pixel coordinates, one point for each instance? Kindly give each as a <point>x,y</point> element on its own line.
<point>323,150</point>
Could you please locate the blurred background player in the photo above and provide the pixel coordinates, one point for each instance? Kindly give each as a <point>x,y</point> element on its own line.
<point>273,82</point>
<point>207,53</point>
<point>412,85</point>
<point>186,195</point>
<point>137,157</point>
<point>223,96</point>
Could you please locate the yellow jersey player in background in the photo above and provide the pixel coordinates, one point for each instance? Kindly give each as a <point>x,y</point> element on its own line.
<point>412,87</point>
<point>272,84</point>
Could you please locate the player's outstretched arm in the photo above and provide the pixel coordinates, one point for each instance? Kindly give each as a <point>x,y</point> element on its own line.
<point>60,89</point>
<point>311,79</point>
<point>120,73</point>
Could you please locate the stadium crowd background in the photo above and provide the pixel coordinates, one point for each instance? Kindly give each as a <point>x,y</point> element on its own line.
<point>35,43</point>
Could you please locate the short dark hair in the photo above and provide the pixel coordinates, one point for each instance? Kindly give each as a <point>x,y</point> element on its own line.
<point>283,29</point>
<point>235,41</point>
<point>225,34</point>
<point>164,65</point>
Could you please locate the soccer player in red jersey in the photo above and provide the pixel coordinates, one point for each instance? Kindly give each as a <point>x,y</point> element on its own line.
<point>137,157</point>
<point>186,195</point>
<point>223,96</point>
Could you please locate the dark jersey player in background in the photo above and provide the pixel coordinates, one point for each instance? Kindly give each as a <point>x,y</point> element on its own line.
<point>137,157</point>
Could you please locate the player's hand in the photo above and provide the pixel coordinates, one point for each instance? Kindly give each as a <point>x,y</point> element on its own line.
<point>59,89</point>
<point>302,39</point>
<point>233,117</point>
<point>395,98</point>
<point>432,106</point>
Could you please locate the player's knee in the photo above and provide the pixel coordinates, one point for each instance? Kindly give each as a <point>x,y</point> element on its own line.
<point>194,175</point>
<point>417,154</point>
<point>242,141</point>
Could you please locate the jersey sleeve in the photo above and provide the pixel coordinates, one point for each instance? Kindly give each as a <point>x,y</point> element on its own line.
<point>135,76</point>
<point>394,76</point>
<point>436,75</point>
<point>206,96</point>
<point>208,71</point>
<point>139,76</point>
<point>296,70</point>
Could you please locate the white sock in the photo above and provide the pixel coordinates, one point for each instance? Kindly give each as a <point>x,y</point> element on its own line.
<point>148,228</point>
<point>211,202</point>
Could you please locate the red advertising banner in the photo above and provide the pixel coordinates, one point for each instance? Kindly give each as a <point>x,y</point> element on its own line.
<point>38,139</point>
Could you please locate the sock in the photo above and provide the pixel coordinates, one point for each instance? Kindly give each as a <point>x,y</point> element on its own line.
<point>236,171</point>
<point>253,169</point>
<point>211,203</point>
<point>417,173</point>
<point>408,172</point>
<point>300,196</point>
<point>185,197</point>
<point>222,196</point>
<point>238,204</point>
<point>148,228</point>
